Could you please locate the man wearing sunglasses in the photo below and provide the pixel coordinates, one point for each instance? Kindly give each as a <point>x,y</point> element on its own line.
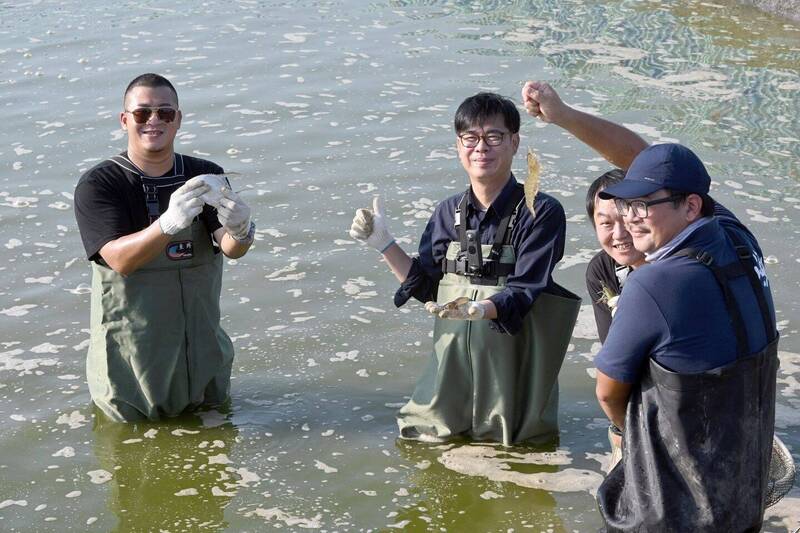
<point>156,246</point>
<point>689,366</point>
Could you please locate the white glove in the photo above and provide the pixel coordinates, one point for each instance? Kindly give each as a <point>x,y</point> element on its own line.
<point>215,182</point>
<point>459,309</point>
<point>233,214</point>
<point>370,226</point>
<point>184,204</point>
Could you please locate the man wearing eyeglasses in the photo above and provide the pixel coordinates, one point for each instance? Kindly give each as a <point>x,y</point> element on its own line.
<point>485,271</point>
<point>688,368</point>
<point>156,346</point>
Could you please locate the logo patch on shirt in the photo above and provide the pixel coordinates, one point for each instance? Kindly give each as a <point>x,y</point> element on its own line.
<point>181,250</point>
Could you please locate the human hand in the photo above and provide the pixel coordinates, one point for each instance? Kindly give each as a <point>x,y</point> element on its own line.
<point>459,309</point>
<point>370,226</point>
<point>215,182</point>
<point>233,214</point>
<point>542,101</point>
<point>185,203</point>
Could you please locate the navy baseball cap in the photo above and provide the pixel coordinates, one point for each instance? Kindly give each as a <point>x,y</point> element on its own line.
<point>661,166</point>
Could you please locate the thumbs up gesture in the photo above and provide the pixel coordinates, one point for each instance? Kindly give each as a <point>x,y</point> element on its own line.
<point>370,227</point>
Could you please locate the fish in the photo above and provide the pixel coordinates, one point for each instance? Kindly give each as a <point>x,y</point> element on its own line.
<point>532,182</point>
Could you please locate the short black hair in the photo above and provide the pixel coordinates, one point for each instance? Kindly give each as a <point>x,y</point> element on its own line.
<point>706,210</point>
<point>603,182</point>
<point>477,109</point>
<point>149,80</point>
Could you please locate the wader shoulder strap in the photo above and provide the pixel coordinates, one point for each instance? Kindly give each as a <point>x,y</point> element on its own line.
<point>491,268</point>
<point>747,259</point>
<point>723,274</point>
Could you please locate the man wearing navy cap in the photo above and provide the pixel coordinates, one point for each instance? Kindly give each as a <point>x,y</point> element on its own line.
<point>688,368</point>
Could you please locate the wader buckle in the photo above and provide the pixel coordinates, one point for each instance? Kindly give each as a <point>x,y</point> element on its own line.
<point>705,258</point>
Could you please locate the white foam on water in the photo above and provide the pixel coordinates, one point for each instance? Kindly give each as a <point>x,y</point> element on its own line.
<point>399,525</point>
<point>325,468</point>
<point>73,494</point>
<point>344,356</point>
<point>18,310</point>
<point>584,255</point>
<point>181,432</point>
<point>47,348</point>
<point>13,243</point>
<point>66,451</point>
<point>221,459</point>
<point>490,495</point>
<point>585,326</point>
<point>495,464</point>
<point>98,477</point>
<point>74,420</point>
<point>279,515</point>
<point>9,361</point>
<point>187,492</point>
<point>9,503</point>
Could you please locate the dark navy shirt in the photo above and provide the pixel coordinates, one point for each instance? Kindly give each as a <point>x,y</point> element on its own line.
<point>538,245</point>
<point>673,310</point>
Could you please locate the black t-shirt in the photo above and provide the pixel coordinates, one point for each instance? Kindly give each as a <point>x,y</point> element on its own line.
<point>110,201</point>
<point>602,272</point>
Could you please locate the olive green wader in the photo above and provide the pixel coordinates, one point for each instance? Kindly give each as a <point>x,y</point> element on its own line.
<point>156,345</point>
<point>486,384</point>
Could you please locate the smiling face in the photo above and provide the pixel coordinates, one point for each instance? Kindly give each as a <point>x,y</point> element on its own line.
<point>484,163</point>
<point>612,235</point>
<point>154,137</point>
<point>663,222</point>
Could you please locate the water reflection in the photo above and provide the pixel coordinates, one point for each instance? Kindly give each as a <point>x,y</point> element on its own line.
<point>474,502</point>
<point>177,475</point>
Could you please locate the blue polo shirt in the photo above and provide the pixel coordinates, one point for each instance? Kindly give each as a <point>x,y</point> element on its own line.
<point>673,310</point>
<point>538,244</point>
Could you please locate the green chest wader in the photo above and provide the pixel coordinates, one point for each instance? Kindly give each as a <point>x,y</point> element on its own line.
<point>486,384</point>
<point>156,345</point>
<point>697,447</point>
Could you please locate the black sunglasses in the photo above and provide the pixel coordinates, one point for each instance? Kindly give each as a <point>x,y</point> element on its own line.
<point>143,114</point>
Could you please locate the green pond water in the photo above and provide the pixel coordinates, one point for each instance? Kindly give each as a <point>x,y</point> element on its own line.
<point>318,106</point>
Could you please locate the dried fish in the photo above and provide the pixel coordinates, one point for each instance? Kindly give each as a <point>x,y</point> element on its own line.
<point>532,182</point>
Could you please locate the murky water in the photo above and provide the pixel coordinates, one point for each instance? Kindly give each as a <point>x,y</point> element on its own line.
<point>319,105</point>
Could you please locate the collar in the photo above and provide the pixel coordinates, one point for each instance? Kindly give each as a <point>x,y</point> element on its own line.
<point>677,240</point>
<point>499,203</point>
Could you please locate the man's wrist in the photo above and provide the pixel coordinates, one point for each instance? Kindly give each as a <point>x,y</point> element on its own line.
<point>245,236</point>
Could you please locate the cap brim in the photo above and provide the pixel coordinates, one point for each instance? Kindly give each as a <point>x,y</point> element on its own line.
<point>629,189</point>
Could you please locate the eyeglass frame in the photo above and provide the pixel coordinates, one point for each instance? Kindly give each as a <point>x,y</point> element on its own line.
<point>151,110</point>
<point>624,206</point>
<point>484,138</point>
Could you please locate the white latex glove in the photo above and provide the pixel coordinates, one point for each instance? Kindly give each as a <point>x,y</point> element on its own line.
<point>184,204</point>
<point>459,309</point>
<point>233,214</point>
<point>370,226</point>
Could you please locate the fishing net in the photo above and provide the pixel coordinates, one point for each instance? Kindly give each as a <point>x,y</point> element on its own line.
<point>781,473</point>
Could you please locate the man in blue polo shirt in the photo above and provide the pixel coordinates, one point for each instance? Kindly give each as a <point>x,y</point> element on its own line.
<point>688,368</point>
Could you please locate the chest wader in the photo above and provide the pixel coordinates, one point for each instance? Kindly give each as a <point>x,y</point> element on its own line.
<point>480,382</point>
<point>697,447</point>
<point>156,345</point>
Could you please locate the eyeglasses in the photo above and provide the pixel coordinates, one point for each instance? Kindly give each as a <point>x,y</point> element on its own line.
<point>143,114</point>
<point>639,207</point>
<point>471,140</point>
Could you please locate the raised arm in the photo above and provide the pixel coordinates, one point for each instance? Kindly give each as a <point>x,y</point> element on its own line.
<point>617,144</point>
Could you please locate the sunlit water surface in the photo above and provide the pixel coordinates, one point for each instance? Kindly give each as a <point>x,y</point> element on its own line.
<point>318,106</point>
